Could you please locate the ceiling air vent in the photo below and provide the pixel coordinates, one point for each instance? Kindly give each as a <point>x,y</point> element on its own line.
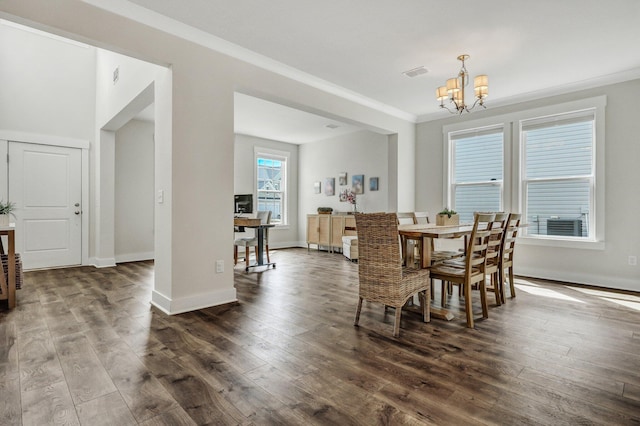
<point>416,72</point>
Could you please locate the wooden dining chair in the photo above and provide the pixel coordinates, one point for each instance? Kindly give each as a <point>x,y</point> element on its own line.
<point>382,278</point>
<point>497,227</point>
<point>420,217</point>
<point>472,271</point>
<point>508,246</point>
<point>492,265</point>
<point>247,243</point>
<point>407,218</point>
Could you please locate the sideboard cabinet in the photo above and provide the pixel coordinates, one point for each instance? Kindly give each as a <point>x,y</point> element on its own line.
<point>327,230</point>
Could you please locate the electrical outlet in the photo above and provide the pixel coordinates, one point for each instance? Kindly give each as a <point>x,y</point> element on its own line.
<point>219,266</point>
<point>633,260</point>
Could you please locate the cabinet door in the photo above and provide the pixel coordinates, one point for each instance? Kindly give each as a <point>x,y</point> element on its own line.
<point>324,222</point>
<point>313,229</point>
<point>337,230</point>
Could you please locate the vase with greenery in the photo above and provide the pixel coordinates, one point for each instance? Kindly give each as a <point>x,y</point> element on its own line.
<point>447,217</point>
<point>6,210</point>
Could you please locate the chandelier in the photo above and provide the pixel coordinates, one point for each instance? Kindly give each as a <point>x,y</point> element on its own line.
<point>454,90</point>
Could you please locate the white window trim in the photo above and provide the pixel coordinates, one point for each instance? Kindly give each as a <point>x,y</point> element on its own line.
<point>512,193</point>
<point>260,152</point>
<point>449,155</point>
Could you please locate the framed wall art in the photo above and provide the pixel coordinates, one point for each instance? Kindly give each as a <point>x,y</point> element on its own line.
<point>329,186</point>
<point>357,184</point>
<point>373,184</point>
<point>342,178</point>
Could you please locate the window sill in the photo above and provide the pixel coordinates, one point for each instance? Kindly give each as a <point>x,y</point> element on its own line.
<point>563,243</point>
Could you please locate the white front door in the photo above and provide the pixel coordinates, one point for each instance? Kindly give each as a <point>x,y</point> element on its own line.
<point>45,184</point>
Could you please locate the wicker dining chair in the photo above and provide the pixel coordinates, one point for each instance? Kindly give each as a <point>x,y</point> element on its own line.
<point>382,277</point>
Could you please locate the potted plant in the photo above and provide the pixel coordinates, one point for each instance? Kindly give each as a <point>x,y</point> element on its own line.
<point>6,209</point>
<point>447,217</point>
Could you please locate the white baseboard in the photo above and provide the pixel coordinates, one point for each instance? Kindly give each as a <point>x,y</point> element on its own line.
<point>580,278</point>
<point>107,262</point>
<point>135,257</point>
<point>285,244</point>
<point>192,303</point>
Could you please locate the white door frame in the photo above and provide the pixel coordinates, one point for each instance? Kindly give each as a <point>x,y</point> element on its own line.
<point>7,136</point>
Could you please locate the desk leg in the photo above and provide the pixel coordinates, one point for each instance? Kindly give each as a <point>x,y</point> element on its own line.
<point>260,248</point>
<point>260,251</point>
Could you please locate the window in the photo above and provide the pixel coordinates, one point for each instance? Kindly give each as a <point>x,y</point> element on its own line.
<point>271,172</point>
<point>546,163</point>
<point>559,174</point>
<point>477,171</point>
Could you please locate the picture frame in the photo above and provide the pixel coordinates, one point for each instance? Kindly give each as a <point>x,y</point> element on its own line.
<point>357,184</point>
<point>373,184</point>
<point>329,186</point>
<point>317,187</point>
<point>342,178</point>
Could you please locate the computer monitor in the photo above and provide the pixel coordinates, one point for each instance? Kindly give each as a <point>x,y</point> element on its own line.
<point>243,203</point>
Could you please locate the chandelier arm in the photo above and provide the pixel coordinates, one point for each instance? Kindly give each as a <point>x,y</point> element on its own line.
<point>447,108</point>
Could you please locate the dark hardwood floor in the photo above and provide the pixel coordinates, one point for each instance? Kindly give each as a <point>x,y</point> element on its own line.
<point>84,346</point>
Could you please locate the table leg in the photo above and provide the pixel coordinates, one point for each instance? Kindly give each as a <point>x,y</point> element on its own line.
<point>426,252</point>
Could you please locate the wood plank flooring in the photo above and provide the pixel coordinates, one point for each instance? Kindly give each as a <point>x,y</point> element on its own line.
<point>84,347</point>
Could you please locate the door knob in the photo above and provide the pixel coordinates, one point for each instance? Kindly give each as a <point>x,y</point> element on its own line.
<point>77,204</point>
<point>77,212</point>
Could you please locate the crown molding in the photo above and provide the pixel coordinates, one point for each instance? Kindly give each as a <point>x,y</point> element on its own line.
<point>620,77</point>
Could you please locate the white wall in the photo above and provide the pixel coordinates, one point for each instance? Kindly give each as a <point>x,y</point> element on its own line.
<point>195,142</point>
<point>361,153</point>
<point>134,190</point>
<point>47,85</point>
<point>245,183</point>
<point>608,267</point>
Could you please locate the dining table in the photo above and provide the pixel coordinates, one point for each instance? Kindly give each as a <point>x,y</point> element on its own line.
<point>424,234</point>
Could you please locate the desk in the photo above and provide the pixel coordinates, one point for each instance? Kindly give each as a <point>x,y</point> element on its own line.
<point>9,285</point>
<point>243,222</point>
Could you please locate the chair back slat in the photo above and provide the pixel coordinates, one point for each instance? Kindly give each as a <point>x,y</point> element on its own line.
<point>479,240</point>
<point>420,217</point>
<point>405,218</point>
<point>509,237</point>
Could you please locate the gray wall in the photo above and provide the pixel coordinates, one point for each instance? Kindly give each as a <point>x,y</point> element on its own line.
<point>608,267</point>
<point>134,189</point>
<point>245,183</point>
<point>361,153</point>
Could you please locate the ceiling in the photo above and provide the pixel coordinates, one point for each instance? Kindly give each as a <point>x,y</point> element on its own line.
<point>360,48</point>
